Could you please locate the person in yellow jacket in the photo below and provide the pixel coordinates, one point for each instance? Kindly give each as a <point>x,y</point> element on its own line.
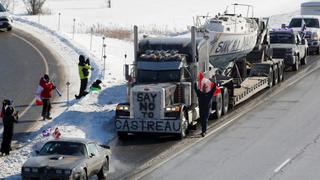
<point>84,73</point>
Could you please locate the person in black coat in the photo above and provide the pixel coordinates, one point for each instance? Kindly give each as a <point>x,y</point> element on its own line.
<point>205,91</point>
<point>9,117</point>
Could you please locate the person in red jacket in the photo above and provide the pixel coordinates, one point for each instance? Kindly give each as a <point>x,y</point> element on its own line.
<point>46,95</point>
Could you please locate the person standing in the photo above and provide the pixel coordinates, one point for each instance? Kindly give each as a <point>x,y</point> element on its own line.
<point>205,91</point>
<point>46,95</point>
<point>84,73</point>
<point>9,117</point>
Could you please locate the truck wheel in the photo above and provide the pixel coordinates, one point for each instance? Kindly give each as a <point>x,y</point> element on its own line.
<point>304,60</point>
<point>218,106</point>
<point>225,102</point>
<point>295,67</point>
<point>280,73</point>
<point>270,79</point>
<point>122,135</point>
<point>184,126</point>
<point>275,75</point>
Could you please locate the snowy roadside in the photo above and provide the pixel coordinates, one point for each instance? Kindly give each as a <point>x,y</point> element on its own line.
<point>90,117</point>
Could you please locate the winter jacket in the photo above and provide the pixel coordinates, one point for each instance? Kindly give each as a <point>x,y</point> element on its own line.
<point>9,116</point>
<point>204,98</point>
<point>84,70</point>
<point>47,86</point>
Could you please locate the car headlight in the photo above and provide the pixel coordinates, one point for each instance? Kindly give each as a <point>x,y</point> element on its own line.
<point>173,109</point>
<point>123,107</point>
<point>26,169</point>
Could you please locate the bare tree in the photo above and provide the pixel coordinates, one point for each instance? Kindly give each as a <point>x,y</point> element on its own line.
<point>34,6</point>
<point>6,3</point>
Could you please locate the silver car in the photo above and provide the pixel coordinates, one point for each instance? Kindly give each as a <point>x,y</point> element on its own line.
<point>68,159</point>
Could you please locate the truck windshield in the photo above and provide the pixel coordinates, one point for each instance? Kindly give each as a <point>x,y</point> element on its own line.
<point>309,22</point>
<point>281,38</point>
<point>2,9</point>
<point>148,76</point>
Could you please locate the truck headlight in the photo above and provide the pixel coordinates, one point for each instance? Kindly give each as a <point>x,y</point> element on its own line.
<point>173,109</point>
<point>289,51</point>
<point>34,170</point>
<point>123,107</point>
<point>67,172</point>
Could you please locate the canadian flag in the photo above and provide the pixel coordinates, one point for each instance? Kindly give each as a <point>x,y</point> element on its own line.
<point>56,133</point>
<point>38,101</point>
<point>205,85</point>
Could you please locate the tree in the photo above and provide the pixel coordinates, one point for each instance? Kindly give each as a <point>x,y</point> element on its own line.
<point>6,3</point>
<point>34,7</point>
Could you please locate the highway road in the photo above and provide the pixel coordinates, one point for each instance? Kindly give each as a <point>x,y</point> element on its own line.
<point>24,60</point>
<point>278,139</point>
<point>251,147</point>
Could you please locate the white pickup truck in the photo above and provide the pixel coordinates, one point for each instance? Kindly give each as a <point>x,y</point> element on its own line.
<point>312,31</point>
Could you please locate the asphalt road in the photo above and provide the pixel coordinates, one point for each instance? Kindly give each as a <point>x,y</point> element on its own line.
<point>138,155</point>
<point>24,60</point>
<point>279,139</point>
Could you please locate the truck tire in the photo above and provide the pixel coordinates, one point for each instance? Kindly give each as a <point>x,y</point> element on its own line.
<point>184,126</point>
<point>225,101</point>
<point>275,75</point>
<point>295,66</point>
<point>270,78</point>
<point>280,72</point>
<point>122,135</point>
<point>218,106</point>
<point>304,60</point>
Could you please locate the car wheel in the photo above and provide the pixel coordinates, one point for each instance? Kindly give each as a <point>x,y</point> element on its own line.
<point>103,173</point>
<point>9,28</point>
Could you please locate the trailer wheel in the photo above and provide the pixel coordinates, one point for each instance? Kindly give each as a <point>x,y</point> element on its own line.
<point>225,101</point>
<point>295,67</point>
<point>270,79</point>
<point>184,126</point>
<point>218,106</point>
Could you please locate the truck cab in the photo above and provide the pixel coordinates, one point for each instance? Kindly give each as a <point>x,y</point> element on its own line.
<point>161,96</point>
<point>288,45</point>
<point>312,30</point>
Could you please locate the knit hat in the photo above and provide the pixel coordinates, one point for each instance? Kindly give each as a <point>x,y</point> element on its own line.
<point>46,77</point>
<point>82,58</point>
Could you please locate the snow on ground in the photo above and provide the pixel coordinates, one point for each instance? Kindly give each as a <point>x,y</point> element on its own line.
<point>92,116</point>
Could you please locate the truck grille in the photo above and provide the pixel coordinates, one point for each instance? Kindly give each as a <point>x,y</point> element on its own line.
<point>147,105</point>
<point>278,53</point>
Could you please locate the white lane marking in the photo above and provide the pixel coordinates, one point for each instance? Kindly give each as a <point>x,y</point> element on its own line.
<point>282,165</point>
<point>45,64</point>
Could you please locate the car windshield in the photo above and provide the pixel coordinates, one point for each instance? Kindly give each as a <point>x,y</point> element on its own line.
<point>63,148</point>
<point>309,22</point>
<point>2,9</point>
<point>148,76</point>
<point>282,38</point>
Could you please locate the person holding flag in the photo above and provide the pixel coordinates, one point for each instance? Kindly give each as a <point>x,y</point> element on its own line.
<point>205,91</point>
<point>45,95</point>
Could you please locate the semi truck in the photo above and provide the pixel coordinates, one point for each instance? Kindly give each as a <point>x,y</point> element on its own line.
<point>161,98</point>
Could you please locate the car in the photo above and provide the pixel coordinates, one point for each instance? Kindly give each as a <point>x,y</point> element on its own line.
<point>68,159</point>
<point>5,19</point>
<point>287,44</point>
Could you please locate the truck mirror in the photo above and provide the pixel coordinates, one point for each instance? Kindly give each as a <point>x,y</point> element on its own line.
<point>126,71</point>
